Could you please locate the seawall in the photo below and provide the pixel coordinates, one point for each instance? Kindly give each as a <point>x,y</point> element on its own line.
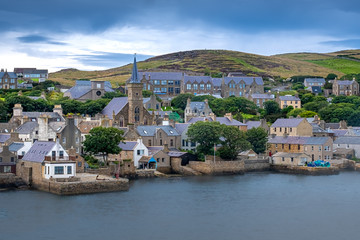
<point>315,171</point>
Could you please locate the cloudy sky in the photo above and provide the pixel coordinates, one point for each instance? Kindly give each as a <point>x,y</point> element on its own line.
<point>93,35</point>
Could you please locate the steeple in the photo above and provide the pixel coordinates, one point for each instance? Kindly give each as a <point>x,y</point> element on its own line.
<point>134,75</point>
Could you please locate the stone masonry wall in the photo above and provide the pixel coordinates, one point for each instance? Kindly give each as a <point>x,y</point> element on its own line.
<point>211,167</point>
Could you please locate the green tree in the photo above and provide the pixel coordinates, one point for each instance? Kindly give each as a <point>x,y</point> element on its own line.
<point>308,97</point>
<point>271,107</point>
<point>103,140</point>
<point>295,112</point>
<point>331,76</point>
<point>233,142</point>
<point>206,134</point>
<point>316,106</point>
<point>181,100</point>
<point>307,114</point>
<point>354,119</point>
<point>111,95</point>
<point>258,139</point>
<point>3,111</point>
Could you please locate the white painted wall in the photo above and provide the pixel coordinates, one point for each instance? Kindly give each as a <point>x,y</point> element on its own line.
<point>50,170</point>
<point>140,146</point>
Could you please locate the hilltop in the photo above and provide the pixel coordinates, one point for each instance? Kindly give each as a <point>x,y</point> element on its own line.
<point>224,61</point>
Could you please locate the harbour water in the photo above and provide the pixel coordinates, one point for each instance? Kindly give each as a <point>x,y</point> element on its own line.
<point>251,206</point>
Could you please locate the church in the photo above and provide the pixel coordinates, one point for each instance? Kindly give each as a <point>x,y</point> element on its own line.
<point>129,110</point>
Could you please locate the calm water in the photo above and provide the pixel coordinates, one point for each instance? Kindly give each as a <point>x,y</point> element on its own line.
<point>253,206</point>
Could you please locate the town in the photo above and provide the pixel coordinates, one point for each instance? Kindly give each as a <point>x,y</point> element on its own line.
<point>95,138</point>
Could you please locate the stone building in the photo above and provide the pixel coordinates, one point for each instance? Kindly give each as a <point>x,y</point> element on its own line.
<point>345,87</point>
<point>159,135</point>
<point>152,103</point>
<point>291,127</point>
<point>70,135</point>
<point>348,142</point>
<point>8,80</point>
<point>7,160</point>
<point>241,86</point>
<point>290,159</point>
<point>311,82</point>
<point>197,109</point>
<point>129,110</point>
<point>260,98</point>
<point>228,120</point>
<point>88,90</point>
<point>316,147</point>
<point>288,100</point>
<point>255,124</point>
<point>163,84</point>
<point>198,85</point>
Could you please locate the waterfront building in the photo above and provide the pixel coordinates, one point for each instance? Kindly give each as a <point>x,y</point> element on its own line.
<point>7,161</point>
<point>291,127</point>
<point>290,159</point>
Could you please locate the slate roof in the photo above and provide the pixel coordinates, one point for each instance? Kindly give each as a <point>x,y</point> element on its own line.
<point>86,126</point>
<point>198,105</point>
<point>116,105</point>
<point>315,80</point>
<point>37,114</point>
<point>15,146</point>
<point>299,140</point>
<point>289,98</point>
<point>226,121</point>
<point>217,82</point>
<point>345,82</point>
<point>287,122</point>
<point>197,79</point>
<point>332,125</point>
<point>317,128</point>
<point>253,124</point>
<point>161,113</point>
<point>134,75</point>
<point>247,80</point>
<point>38,151</point>
<point>82,87</point>
<point>128,145</point>
<point>4,137</point>
<point>176,153</point>
<point>162,75</point>
<point>263,96</point>
<point>197,119</point>
<point>27,127</point>
<point>11,74</point>
<point>153,150</point>
<point>181,127</point>
<point>316,89</point>
<point>286,154</point>
<point>145,100</point>
<point>151,130</point>
<point>351,140</point>
<point>339,132</point>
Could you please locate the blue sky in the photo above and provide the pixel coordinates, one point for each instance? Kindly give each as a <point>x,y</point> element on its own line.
<point>93,35</point>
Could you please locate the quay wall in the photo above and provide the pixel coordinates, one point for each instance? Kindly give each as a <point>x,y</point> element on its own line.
<point>315,171</point>
<point>217,167</point>
<point>10,180</point>
<point>257,165</point>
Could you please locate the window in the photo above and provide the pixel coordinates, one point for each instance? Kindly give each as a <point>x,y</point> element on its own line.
<point>275,145</point>
<point>64,140</point>
<point>177,83</point>
<point>195,86</point>
<point>156,89</point>
<point>158,159</point>
<point>274,129</point>
<point>140,152</point>
<point>61,154</point>
<point>298,146</point>
<point>171,89</point>
<point>156,82</point>
<point>177,90</point>
<point>312,148</point>
<point>183,142</point>
<point>77,139</point>
<point>12,159</point>
<point>290,129</point>
<point>282,146</point>
<point>347,146</point>
<point>98,85</point>
<point>59,170</point>
<point>149,142</point>
<point>69,168</point>
<point>163,82</point>
<point>7,169</point>
<point>188,86</point>
<point>208,86</point>
<point>202,86</point>
<point>171,142</point>
<point>283,159</point>
<point>280,130</point>
<point>0,159</point>
<point>163,159</point>
<point>161,142</point>
<point>319,148</point>
<point>171,82</point>
<point>164,89</point>
<point>292,159</point>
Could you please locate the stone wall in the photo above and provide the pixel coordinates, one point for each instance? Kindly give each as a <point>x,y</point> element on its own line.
<point>74,188</point>
<point>257,165</point>
<point>305,170</point>
<point>211,167</point>
<point>145,173</point>
<point>108,171</point>
<point>10,180</point>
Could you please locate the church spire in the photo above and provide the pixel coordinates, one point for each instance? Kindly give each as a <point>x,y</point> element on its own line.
<point>134,75</point>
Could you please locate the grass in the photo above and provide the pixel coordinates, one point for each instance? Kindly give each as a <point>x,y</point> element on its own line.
<point>290,92</point>
<point>342,65</point>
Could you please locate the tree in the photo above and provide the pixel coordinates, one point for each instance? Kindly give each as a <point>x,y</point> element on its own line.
<point>181,100</point>
<point>233,142</point>
<point>271,107</point>
<point>295,112</point>
<point>103,140</point>
<point>315,106</point>
<point>206,134</point>
<point>307,114</point>
<point>309,97</point>
<point>331,76</point>
<point>354,119</point>
<point>257,137</point>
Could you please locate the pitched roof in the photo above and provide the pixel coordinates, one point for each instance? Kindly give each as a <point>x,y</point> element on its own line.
<point>11,74</point>
<point>154,149</point>
<point>253,124</point>
<point>82,87</point>
<point>38,114</point>
<point>16,146</point>
<point>289,98</point>
<point>197,79</point>
<point>345,82</point>
<point>198,105</point>
<point>247,80</point>
<point>263,96</point>
<point>38,151</point>
<point>162,75</point>
<point>226,121</point>
<point>299,140</point>
<point>353,140</point>
<point>128,145</point>
<point>287,122</point>
<point>316,89</point>
<point>181,127</point>
<point>161,113</point>
<point>286,154</point>
<point>115,105</point>
<point>339,132</point>
<point>151,130</point>
<point>4,137</point>
<point>27,127</point>
<point>314,80</point>
<point>86,126</point>
<point>216,82</point>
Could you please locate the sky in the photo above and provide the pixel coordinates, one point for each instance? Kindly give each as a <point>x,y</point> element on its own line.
<point>96,35</point>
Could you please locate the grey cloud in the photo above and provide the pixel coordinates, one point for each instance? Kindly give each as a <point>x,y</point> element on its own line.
<point>38,39</point>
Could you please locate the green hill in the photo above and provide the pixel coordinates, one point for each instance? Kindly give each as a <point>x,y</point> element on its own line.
<point>223,61</point>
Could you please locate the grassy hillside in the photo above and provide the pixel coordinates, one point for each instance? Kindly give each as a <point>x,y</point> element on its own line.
<point>222,61</point>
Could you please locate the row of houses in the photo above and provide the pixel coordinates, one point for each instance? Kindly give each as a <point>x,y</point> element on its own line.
<point>19,77</point>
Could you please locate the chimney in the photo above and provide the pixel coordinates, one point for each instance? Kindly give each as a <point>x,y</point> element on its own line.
<point>166,148</point>
<point>212,116</point>
<point>58,109</point>
<point>291,117</point>
<point>322,124</point>
<point>17,110</point>
<point>298,116</point>
<point>172,123</point>
<point>229,116</point>
<point>343,124</point>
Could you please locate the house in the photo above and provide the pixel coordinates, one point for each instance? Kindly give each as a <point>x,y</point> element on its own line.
<point>47,160</point>
<point>315,89</point>
<point>20,148</point>
<point>345,87</point>
<point>186,144</point>
<point>78,159</point>
<point>70,135</point>
<point>241,86</point>
<point>260,98</point>
<point>348,142</point>
<point>310,82</point>
<point>162,157</point>
<point>197,109</point>
<point>249,154</point>
<point>152,103</point>
<point>129,110</point>
<point>291,127</point>
<point>159,135</point>
<point>290,159</point>
<point>88,90</point>
<point>7,161</point>
<point>288,100</point>
<point>255,124</point>
<point>165,84</point>
<point>33,74</point>
<point>131,150</point>
<point>198,85</point>
<point>316,147</point>
<point>8,80</point>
